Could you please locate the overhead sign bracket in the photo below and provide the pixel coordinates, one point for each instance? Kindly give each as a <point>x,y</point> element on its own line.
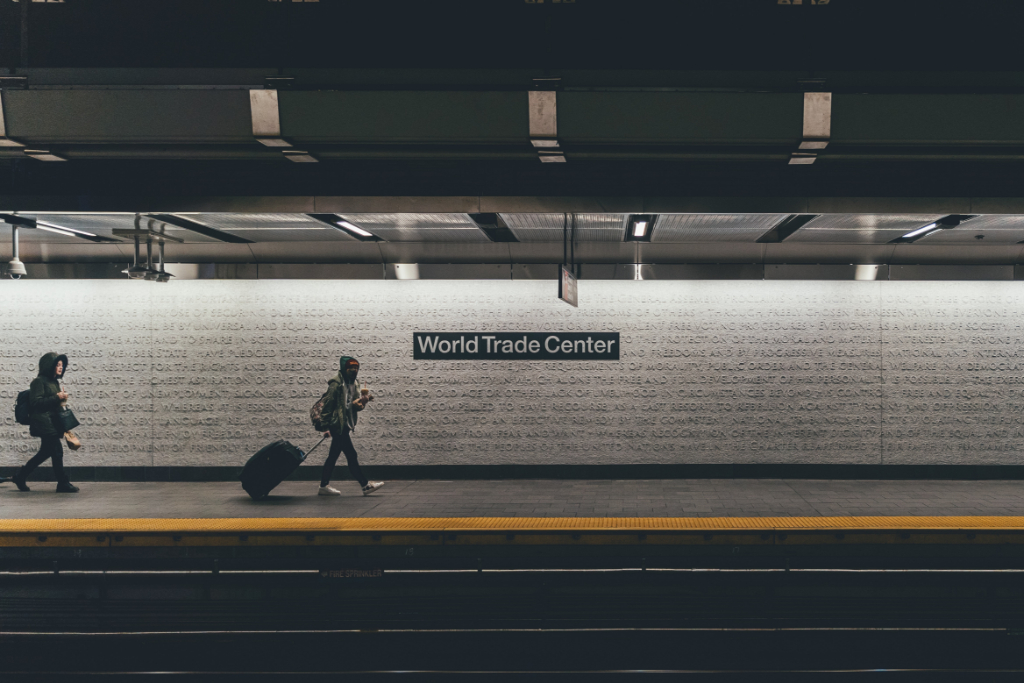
<point>4,140</point>
<point>543,112</point>
<point>817,128</point>
<point>266,125</point>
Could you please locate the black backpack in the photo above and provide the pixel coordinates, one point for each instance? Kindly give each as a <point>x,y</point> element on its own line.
<point>22,411</point>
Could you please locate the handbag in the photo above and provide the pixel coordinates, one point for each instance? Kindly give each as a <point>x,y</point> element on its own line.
<point>73,442</point>
<point>64,418</point>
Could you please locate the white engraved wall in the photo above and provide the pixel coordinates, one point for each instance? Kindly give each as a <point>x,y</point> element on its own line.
<point>106,330</point>
<point>953,362</point>
<point>206,372</point>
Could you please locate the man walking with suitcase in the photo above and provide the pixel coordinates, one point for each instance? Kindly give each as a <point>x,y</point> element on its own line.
<point>343,404</point>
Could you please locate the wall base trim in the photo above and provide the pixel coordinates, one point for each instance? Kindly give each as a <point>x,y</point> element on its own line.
<point>693,471</point>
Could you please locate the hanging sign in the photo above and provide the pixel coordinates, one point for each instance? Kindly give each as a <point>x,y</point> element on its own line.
<point>567,287</point>
<point>515,345</point>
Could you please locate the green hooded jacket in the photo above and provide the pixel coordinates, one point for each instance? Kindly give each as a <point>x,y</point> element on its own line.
<point>43,401</point>
<point>340,396</point>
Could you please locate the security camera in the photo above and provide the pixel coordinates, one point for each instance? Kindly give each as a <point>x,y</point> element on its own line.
<point>135,272</point>
<point>16,268</point>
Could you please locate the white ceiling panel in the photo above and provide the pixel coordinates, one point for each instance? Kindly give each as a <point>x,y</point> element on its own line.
<point>547,227</point>
<point>419,227</point>
<point>713,227</point>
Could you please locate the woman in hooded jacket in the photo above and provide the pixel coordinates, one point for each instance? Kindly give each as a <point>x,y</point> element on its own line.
<point>46,398</point>
<point>343,404</point>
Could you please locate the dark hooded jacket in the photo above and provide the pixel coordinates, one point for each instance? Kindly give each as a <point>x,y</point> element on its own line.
<point>340,397</point>
<point>43,401</point>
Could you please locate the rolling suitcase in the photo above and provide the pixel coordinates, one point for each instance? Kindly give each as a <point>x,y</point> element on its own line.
<point>270,465</point>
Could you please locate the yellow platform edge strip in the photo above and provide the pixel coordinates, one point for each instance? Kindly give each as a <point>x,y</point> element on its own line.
<point>497,524</point>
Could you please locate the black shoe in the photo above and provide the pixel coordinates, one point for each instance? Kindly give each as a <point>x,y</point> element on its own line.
<point>19,481</point>
<point>66,487</point>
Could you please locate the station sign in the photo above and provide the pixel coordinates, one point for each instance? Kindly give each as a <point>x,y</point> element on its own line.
<point>515,345</point>
<point>567,291</point>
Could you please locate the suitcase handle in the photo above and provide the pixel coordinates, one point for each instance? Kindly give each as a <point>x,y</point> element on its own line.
<point>317,445</point>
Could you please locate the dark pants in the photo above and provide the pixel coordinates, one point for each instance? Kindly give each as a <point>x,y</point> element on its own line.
<point>49,448</point>
<point>342,442</point>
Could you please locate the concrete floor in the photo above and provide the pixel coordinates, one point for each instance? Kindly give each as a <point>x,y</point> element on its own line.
<point>526,498</point>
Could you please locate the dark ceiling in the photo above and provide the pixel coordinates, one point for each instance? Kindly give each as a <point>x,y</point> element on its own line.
<point>627,70</point>
<point>873,35</point>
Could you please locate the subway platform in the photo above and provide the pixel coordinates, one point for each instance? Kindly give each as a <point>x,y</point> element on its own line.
<point>507,524</point>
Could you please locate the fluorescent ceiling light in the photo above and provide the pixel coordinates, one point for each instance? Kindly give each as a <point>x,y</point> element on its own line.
<point>639,227</point>
<point>59,231</point>
<point>189,224</point>
<point>354,228</point>
<point>29,222</point>
<point>920,231</point>
<point>346,226</point>
<point>60,228</point>
<point>944,223</point>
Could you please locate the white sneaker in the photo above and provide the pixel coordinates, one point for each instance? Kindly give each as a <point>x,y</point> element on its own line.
<point>329,491</point>
<point>371,486</point>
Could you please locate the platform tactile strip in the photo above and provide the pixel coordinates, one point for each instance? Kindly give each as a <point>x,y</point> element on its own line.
<point>391,524</point>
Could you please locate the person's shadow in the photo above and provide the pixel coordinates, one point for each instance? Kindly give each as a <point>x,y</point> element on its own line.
<point>271,500</point>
